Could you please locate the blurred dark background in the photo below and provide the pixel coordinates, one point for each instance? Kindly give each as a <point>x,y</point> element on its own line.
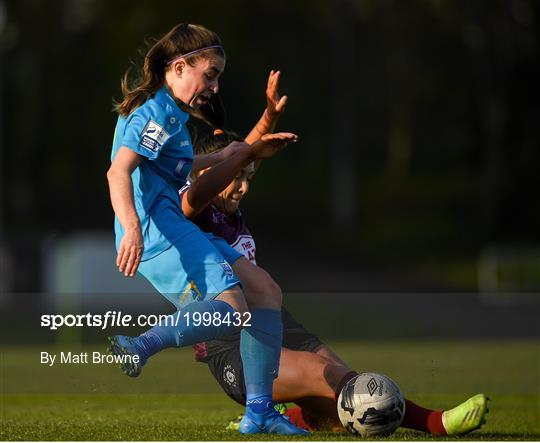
<point>419,123</point>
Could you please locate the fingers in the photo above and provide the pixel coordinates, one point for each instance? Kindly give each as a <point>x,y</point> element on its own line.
<point>280,107</point>
<point>276,80</point>
<point>128,258</point>
<point>270,77</point>
<point>270,144</point>
<point>132,262</point>
<point>286,136</point>
<point>273,85</point>
<point>122,259</point>
<point>119,256</point>
<point>279,141</point>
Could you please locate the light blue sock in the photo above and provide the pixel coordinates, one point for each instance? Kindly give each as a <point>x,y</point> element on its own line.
<point>176,332</point>
<point>260,348</point>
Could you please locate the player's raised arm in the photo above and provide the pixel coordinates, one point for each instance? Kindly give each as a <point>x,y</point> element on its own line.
<point>121,192</point>
<point>216,179</point>
<point>204,161</point>
<point>275,105</point>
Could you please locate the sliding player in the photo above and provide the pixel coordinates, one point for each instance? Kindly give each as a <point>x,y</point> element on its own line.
<point>311,374</point>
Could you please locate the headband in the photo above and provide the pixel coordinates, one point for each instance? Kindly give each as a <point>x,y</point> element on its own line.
<point>194,52</point>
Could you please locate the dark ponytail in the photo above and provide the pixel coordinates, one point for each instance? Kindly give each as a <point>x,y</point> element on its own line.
<point>212,113</point>
<point>183,38</point>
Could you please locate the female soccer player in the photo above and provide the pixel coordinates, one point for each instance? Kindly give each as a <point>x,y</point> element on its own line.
<point>310,373</point>
<point>151,158</point>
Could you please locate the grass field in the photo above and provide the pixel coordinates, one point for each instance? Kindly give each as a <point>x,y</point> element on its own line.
<point>177,399</point>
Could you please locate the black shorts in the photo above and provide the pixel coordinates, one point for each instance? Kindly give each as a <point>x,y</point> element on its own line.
<point>225,363</point>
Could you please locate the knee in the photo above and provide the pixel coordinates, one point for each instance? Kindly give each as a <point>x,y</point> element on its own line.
<point>269,287</point>
<point>262,290</point>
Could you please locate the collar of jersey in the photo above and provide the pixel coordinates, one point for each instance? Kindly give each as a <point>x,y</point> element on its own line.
<point>164,98</point>
<point>236,213</point>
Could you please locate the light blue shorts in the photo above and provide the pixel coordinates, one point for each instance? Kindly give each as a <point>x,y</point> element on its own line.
<point>197,267</point>
<point>227,251</point>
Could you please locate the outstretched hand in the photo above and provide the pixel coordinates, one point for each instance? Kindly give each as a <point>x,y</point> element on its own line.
<point>275,104</point>
<point>270,144</point>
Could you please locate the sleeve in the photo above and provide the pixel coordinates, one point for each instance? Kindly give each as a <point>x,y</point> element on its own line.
<point>144,135</point>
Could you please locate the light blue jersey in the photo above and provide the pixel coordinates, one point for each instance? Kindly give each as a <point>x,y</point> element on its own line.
<point>181,262</point>
<point>157,130</point>
<point>186,266</point>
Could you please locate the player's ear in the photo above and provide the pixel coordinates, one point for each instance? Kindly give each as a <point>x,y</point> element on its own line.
<point>178,67</point>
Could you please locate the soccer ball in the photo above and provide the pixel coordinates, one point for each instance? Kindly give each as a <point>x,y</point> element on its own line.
<point>371,404</point>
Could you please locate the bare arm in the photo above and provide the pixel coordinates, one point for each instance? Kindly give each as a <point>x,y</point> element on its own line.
<point>265,125</point>
<point>211,183</point>
<point>121,192</point>
<point>275,105</point>
<point>203,161</point>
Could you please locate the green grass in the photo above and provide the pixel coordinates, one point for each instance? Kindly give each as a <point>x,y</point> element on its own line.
<point>177,399</point>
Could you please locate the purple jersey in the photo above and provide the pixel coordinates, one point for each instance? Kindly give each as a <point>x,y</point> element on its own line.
<point>231,228</point>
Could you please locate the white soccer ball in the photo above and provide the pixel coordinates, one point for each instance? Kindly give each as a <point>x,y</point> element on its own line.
<point>371,404</point>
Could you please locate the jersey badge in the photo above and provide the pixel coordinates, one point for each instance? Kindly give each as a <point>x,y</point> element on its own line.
<point>229,375</point>
<point>153,136</point>
<point>227,268</point>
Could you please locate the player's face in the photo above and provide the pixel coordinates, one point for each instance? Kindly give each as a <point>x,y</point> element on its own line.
<point>194,85</point>
<point>231,196</point>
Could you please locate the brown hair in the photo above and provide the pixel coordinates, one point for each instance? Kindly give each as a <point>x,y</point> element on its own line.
<point>216,142</point>
<point>181,39</point>
<point>212,113</point>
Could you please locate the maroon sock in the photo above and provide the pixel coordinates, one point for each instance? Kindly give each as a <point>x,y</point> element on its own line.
<point>421,419</point>
<point>348,376</point>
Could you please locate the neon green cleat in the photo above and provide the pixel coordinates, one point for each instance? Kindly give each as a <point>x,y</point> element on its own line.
<point>234,425</point>
<point>281,408</point>
<point>466,417</point>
